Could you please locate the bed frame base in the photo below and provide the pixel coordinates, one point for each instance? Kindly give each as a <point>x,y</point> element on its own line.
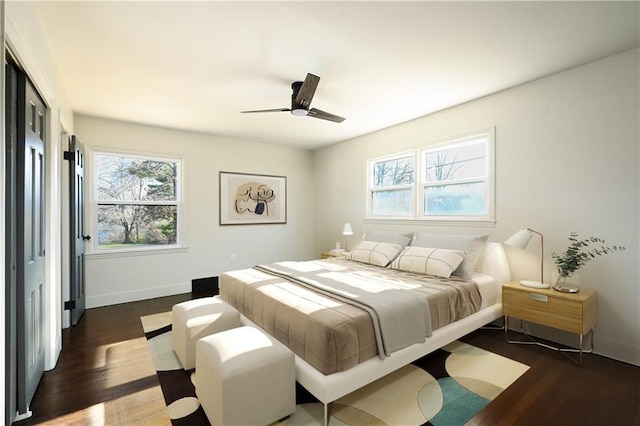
<point>329,388</point>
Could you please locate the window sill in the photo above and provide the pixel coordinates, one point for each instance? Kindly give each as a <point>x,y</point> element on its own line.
<point>111,254</point>
<point>489,223</point>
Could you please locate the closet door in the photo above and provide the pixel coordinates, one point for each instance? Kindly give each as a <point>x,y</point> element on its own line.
<point>75,156</point>
<point>30,241</point>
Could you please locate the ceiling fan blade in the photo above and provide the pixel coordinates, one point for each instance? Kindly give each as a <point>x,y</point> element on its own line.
<point>267,110</point>
<point>316,113</point>
<point>308,89</point>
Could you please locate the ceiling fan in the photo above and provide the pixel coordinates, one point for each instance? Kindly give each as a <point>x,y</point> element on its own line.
<point>301,99</point>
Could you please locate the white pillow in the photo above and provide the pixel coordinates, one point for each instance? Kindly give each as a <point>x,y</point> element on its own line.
<point>431,261</point>
<point>471,245</point>
<point>374,253</point>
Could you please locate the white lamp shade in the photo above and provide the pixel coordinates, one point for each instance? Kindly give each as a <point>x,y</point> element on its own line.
<point>520,239</point>
<point>347,229</point>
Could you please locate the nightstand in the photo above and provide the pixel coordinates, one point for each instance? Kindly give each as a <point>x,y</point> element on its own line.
<point>327,254</point>
<point>573,312</point>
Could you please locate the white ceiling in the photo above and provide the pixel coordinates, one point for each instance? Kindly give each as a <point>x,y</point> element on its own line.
<point>196,65</point>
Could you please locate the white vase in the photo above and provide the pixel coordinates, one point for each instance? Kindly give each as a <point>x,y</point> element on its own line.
<point>568,284</point>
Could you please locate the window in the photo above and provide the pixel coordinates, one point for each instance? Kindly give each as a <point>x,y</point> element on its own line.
<point>455,182</point>
<point>391,186</point>
<point>455,179</point>
<point>137,202</point>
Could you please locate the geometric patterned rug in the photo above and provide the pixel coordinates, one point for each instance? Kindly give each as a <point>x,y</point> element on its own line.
<point>445,388</point>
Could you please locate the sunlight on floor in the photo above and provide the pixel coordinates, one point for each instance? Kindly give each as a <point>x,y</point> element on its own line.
<point>124,362</point>
<point>145,407</point>
<point>100,356</point>
<point>95,414</point>
<point>128,361</point>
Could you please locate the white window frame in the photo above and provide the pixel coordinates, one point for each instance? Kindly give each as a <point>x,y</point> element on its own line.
<point>488,179</point>
<point>371,189</point>
<point>420,183</point>
<point>93,249</point>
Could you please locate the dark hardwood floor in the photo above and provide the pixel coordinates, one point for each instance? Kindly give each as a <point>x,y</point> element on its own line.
<point>555,391</point>
<point>105,375</point>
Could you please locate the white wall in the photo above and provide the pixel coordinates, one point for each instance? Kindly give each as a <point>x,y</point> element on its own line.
<point>567,159</point>
<point>121,278</point>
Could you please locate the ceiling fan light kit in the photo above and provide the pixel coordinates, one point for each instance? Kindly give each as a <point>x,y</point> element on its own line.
<point>301,96</point>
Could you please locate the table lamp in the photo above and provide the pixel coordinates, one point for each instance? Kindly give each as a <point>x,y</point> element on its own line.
<point>520,240</point>
<point>346,231</point>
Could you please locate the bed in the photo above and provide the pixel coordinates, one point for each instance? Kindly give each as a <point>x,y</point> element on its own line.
<point>365,364</point>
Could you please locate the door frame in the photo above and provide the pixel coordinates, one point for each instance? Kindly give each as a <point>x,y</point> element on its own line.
<point>19,44</point>
<point>24,47</point>
<point>9,249</point>
<point>65,272</point>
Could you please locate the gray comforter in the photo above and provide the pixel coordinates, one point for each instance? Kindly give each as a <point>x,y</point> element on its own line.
<point>400,317</point>
<point>329,334</point>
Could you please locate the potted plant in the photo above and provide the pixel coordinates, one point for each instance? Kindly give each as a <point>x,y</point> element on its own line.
<point>577,254</point>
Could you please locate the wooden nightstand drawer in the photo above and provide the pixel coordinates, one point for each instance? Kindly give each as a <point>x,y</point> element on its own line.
<point>327,255</point>
<point>575,313</point>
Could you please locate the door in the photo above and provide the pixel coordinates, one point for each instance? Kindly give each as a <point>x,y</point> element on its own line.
<point>30,241</point>
<point>75,156</point>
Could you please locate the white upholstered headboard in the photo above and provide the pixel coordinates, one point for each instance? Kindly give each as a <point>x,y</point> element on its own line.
<point>493,261</point>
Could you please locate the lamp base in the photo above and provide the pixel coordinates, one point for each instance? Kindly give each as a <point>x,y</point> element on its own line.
<point>534,284</point>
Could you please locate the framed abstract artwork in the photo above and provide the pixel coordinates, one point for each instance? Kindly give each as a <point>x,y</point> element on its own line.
<point>250,199</point>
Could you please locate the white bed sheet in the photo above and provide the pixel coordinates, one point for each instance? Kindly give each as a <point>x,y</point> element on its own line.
<point>488,288</point>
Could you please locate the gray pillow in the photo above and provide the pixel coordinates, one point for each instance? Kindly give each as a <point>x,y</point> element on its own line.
<point>401,238</point>
<point>472,245</point>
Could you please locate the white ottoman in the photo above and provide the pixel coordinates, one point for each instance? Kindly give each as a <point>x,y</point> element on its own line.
<point>194,319</point>
<point>244,377</point>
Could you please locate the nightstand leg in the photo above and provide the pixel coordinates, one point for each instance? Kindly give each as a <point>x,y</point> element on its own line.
<point>580,356</point>
<point>533,341</point>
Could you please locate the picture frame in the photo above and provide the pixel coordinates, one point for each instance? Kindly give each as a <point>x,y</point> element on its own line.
<point>252,199</point>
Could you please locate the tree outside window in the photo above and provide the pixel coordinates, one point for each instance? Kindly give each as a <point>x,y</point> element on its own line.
<point>455,177</point>
<point>137,201</point>
<point>391,186</point>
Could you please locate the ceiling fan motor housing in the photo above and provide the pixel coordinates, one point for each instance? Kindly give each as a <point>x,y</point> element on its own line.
<point>298,109</point>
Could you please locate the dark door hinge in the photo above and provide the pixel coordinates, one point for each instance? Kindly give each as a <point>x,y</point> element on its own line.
<point>70,155</point>
<point>69,305</point>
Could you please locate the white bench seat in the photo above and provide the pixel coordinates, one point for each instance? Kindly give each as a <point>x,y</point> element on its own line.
<point>244,377</point>
<point>195,319</point>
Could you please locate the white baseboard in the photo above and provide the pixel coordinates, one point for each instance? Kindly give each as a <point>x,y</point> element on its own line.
<point>617,350</point>
<point>135,295</point>
<point>52,358</point>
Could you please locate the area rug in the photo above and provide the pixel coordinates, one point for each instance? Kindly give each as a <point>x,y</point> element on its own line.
<point>445,388</point>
